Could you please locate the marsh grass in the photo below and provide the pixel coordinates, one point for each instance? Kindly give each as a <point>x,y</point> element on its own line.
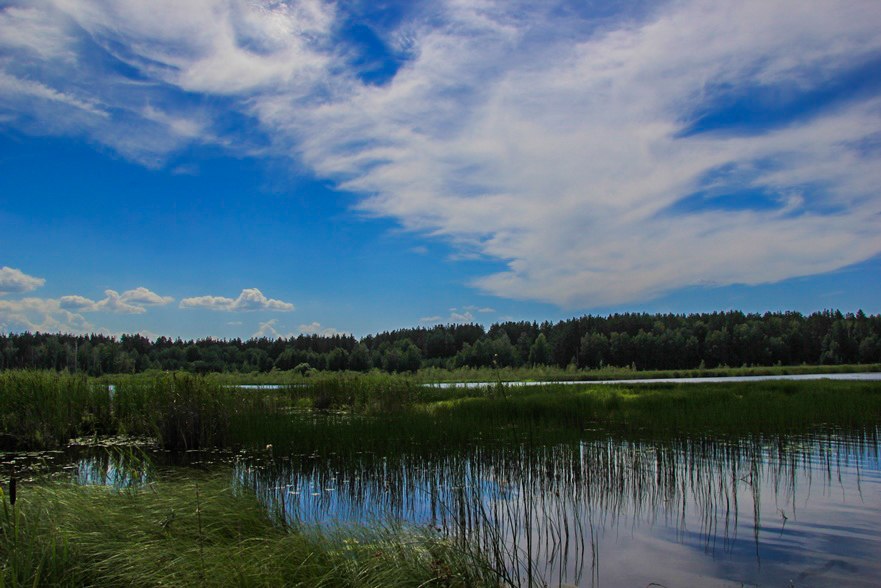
<point>380,412</point>
<point>41,409</point>
<point>198,532</point>
<point>663,410</point>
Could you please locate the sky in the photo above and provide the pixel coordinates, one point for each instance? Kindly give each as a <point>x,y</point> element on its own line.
<point>233,168</point>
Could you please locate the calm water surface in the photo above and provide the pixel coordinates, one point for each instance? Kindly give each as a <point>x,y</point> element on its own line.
<point>765,512</point>
<point>757,511</point>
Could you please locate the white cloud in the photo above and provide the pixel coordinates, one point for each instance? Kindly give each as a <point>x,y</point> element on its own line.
<point>129,302</point>
<point>76,303</point>
<point>38,314</point>
<point>267,330</point>
<point>315,328</point>
<point>484,309</point>
<point>463,315</point>
<point>145,297</point>
<point>209,302</point>
<point>565,159</point>
<point>270,330</point>
<point>250,299</point>
<point>15,281</point>
<point>113,302</point>
<point>555,146</point>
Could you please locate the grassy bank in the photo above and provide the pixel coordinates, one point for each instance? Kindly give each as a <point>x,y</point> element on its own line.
<point>379,412</point>
<point>197,532</point>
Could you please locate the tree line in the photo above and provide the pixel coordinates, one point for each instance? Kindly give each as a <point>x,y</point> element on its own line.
<point>636,340</point>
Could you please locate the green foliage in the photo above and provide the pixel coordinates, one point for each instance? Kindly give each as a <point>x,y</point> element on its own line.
<point>540,352</point>
<point>647,341</point>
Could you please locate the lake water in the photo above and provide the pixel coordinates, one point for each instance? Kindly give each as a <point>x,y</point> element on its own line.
<point>857,376</point>
<point>861,376</point>
<point>687,510</point>
<point>613,513</point>
<point>773,511</point>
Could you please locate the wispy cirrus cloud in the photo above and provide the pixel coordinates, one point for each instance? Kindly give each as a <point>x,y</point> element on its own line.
<point>15,281</point>
<point>599,160</point>
<point>250,299</point>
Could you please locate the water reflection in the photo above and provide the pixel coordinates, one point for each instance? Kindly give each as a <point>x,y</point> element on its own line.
<point>118,467</point>
<point>611,512</point>
<point>791,510</point>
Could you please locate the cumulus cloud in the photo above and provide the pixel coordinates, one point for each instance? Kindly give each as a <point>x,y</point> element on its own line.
<point>145,297</point>
<point>38,314</point>
<point>64,314</point>
<point>590,156</point>
<point>15,281</point>
<point>457,315</point>
<point>315,328</point>
<point>267,330</point>
<point>75,302</point>
<point>271,329</point>
<point>129,302</point>
<point>250,299</point>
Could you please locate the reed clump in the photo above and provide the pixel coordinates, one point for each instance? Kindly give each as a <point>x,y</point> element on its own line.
<point>372,393</point>
<point>198,532</point>
<point>42,409</point>
<point>663,410</point>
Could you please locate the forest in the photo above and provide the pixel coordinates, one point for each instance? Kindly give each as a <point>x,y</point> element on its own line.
<point>637,341</point>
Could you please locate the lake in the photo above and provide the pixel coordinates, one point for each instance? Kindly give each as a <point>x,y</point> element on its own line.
<point>799,510</point>
<point>732,484</point>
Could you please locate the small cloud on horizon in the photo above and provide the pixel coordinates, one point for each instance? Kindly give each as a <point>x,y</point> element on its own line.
<point>316,328</point>
<point>457,315</point>
<point>250,299</point>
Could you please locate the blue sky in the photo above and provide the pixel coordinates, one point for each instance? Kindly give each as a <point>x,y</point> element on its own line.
<point>228,168</point>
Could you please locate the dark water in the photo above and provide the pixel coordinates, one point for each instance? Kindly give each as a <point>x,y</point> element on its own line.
<point>767,512</point>
<point>772,511</point>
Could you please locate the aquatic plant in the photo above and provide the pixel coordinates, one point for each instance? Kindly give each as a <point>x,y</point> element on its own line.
<point>198,532</point>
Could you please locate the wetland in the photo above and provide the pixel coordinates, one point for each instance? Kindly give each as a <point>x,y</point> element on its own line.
<point>382,481</point>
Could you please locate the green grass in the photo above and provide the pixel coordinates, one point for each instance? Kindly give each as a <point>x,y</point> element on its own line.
<point>664,410</point>
<point>198,532</point>
<point>44,409</point>
<point>378,411</point>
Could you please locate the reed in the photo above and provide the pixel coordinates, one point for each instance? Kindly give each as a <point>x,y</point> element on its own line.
<point>182,411</point>
<point>198,532</point>
<point>664,410</point>
<point>41,409</point>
